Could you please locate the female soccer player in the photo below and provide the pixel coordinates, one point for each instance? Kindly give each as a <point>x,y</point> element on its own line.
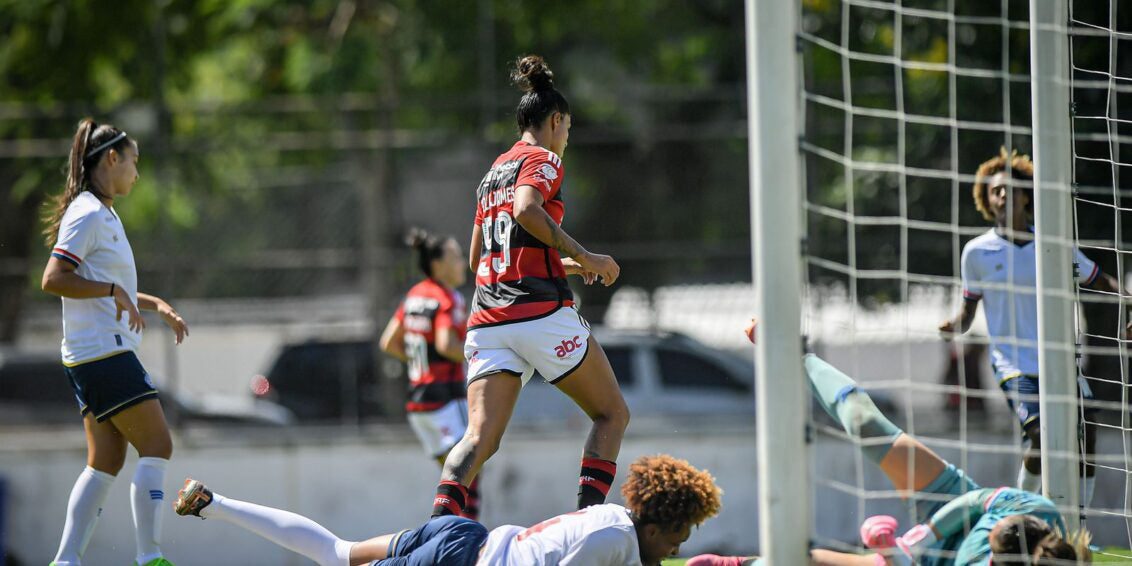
<point>427,333</point>
<point>523,317</point>
<point>1000,268</point>
<point>975,526</point>
<point>664,498</point>
<point>92,269</point>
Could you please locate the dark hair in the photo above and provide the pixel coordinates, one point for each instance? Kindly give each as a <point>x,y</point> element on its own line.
<point>1021,169</point>
<point>429,248</point>
<point>91,142</point>
<point>532,75</point>
<point>1018,538</point>
<point>670,492</point>
<point>1028,540</point>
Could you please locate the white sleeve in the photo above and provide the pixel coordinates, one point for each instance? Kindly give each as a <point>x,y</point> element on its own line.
<point>969,274</point>
<point>77,235</point>
<point>611,546</point>
<point>1086,269</point>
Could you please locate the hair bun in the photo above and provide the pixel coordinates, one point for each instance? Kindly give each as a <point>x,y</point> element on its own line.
<point>416,237</point>
<point>532,74</point>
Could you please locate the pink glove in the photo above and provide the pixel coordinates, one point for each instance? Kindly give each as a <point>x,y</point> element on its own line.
<point>912,545</point>
<point>879,532</point>
<point>715,560</point>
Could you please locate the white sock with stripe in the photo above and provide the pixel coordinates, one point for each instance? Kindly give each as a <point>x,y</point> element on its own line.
<point>147,499</point>
<point>1028,481</point>
<point>83,510</point>
<point>284,528</point>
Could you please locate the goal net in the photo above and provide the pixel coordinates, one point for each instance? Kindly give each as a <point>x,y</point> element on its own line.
<point>898,105</point>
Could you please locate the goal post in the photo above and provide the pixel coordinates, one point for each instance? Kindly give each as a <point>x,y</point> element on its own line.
<point>1049,86</point>
<point>781,394</point>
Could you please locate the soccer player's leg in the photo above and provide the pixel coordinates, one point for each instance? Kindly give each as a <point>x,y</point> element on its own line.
<point>491,399</point>
<point>1022,396</point>
<point>145,429</point>
<point>1088,442</point>
<point>439,431</point>
<point>561,349</point>
<point>593,386</point>
<point>448,541</point>
<point>284,528</point>
<point>106,453</point>
<point>909,465</point>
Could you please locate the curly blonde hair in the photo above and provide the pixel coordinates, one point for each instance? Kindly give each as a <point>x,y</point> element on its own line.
<point>670,492</point>
<point>1020,168</point>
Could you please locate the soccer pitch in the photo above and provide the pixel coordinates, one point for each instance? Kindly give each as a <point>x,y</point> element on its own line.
<point>1125,557</point>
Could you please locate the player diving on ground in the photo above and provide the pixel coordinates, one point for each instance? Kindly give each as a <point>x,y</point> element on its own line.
<point>664,498</point>
<point>976,526</point>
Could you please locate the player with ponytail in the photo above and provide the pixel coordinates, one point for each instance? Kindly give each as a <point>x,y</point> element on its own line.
<point>523,318</point>
<point>427,333</point>
<point>92,269</point>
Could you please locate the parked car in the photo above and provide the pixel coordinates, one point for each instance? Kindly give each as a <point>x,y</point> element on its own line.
<point>324,381</point>
<point>662,374</point>
<point>35,391</point>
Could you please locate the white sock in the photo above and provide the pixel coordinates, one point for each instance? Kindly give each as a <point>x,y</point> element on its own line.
<point>284,528</point>
<point>1028,481</point>
<point>1087,486</point>
<point>83,510</point>
<point>147,498</point>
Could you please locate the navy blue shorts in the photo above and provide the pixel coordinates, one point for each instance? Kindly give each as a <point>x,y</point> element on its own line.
<point>108,386</point>
<point>443,541</point>
<point>1022,396</point>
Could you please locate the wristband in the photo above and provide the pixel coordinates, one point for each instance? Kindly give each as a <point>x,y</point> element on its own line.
<point>913,544</point>
<point>112,286</point>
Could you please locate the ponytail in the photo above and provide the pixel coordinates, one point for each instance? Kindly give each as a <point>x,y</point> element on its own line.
<point>429,248</point>
<point>90,143</point>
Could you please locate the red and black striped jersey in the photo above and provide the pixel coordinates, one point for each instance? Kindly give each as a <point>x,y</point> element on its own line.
<point>519,278</point>
<point>434,380</point>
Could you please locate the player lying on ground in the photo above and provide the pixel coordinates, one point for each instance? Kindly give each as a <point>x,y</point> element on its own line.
<point>664,498</point>
<point>968,525</point>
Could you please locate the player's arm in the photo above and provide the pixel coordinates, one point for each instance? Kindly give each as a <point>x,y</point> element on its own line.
<point>147,302</point>
<point>393,339</point>
<point>475,247</point>
<point>954,518</point>
<point>819,557</point>
<point>531,216</point>
<point>961,322</point>
<point>60,279</point>
<point>449,344</point>
<point>962,512</point>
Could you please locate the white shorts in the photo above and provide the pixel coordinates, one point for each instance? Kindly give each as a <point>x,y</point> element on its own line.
<point>554,345</point>
<point>441,429</point>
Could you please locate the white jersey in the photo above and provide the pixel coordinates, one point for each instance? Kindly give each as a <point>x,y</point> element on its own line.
<point>1004,275</point>
<point>599,535</point>
<point>92,238</point>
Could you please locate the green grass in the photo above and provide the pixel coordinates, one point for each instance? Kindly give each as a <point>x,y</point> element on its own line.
<point>1125,557</point>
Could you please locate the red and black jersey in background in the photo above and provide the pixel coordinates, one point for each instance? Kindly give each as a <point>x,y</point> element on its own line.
<point>434,380</point>
<point>519,278</point>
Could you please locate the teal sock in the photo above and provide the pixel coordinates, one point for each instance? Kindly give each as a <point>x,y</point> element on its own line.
<point>840,396</point>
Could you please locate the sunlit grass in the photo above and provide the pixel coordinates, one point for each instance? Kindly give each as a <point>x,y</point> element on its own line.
<point>1124,556</point>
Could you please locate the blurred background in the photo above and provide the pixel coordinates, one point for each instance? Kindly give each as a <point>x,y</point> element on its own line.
<point>286,148</point>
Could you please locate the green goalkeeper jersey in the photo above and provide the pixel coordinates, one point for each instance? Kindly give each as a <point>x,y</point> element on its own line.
<point>981,510</point>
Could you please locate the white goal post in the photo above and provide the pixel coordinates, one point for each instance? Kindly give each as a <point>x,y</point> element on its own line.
<point>781,394</point>
<point>1053,225</point>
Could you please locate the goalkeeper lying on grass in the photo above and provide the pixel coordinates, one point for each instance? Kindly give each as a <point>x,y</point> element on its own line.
<point>976,526</point>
